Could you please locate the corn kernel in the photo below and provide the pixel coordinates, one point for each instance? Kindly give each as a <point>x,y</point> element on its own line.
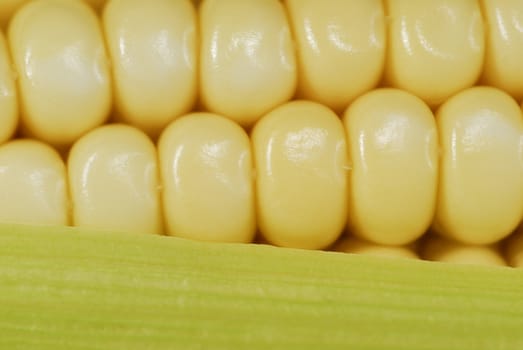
<point>301,165</point>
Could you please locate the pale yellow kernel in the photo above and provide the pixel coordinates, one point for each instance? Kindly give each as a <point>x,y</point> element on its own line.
<point>207,179</point>
<point>33,184</point>
<point>152,45</point>
<point>301,175</point>
<point>359,246</point>
<point>63,72</point>
<point>435,48</point>
<point>480,193</point>
<point>340,48</point>
<point>436,248</point>
<point>247,60</point>
<point>504,45</point>
<point>114,182</point>
<point>394,166</point>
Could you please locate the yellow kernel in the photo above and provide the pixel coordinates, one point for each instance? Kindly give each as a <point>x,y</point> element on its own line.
<point>480,194</point>
<point>440,249</point>
<point>359,246</point>
<point>63,72</point>
<point>247,63</point>
<point>504,45</point>
<point>114,182</point>
<point>394,166</point>
<point>340,48</point>
<point>301,165</point>
<point>152,45</point>
<point>435,47</point>
<point>206,171</point>
<point>33,184</point>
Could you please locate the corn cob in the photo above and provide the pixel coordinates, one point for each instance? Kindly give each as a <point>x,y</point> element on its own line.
<point>294,145</point>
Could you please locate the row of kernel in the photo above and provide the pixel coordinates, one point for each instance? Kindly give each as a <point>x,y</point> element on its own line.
<point>303,194</point>
<point>432,49</point>
<point>434,247</point>
<point>243,58</point>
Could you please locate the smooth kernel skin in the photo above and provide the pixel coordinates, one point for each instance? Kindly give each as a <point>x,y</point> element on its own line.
<point>152,45</point>
<point>247,60</point>
<point>504,45</point>
<point>8,94</point>
<point>301,183</point>
<point>480,195</point>
<point>9,7</point>
<point>359,246</point>
<point>435,47</point>
<point>340,48</point>
<point>33,184</point>
<point>394,166</point>
<point>63,72</point>
<point>206,170</point>
<point>114,182</point>
<point>436,248</point>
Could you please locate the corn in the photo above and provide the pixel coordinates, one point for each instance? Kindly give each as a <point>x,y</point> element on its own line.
<point>245,76</point>
<point>435,47</point>
<point>300,160</point>
<point>361,246</point>
<point>337,42</point>
<point>33,184</point>
<point>393,149</point>
<point>504,46</point>
<point>243,100</point>
<point>153,51</point>
<point>206,171</point>
<point>440,249</point>
<point>63,73</point>
<point>9,7</point>
<point>113,180</point>
<point>481,138</point>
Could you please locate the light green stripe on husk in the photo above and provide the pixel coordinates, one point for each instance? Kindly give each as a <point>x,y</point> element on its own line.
<point>64,288</point>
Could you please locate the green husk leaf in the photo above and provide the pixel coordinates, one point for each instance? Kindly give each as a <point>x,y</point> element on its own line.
<point>72,288</point>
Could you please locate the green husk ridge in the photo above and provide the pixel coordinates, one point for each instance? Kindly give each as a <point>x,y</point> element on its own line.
<point>72,288</point>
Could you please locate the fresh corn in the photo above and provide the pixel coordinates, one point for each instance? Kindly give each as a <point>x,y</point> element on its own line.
<point>300,161</point>
<point>33,184</point>
<point>63,72</point>
<point>247,65</point>
<point>113,181</point>
<point>206,172</point>
<point>337,42</point>
<point>436,248</point>
<point>393,150</point>
<point>360,246</point>
<point>435,47</point>
<point>504,46</point>
<point>430,152</point>
<point>481,140</point>
<point>154,62</point>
